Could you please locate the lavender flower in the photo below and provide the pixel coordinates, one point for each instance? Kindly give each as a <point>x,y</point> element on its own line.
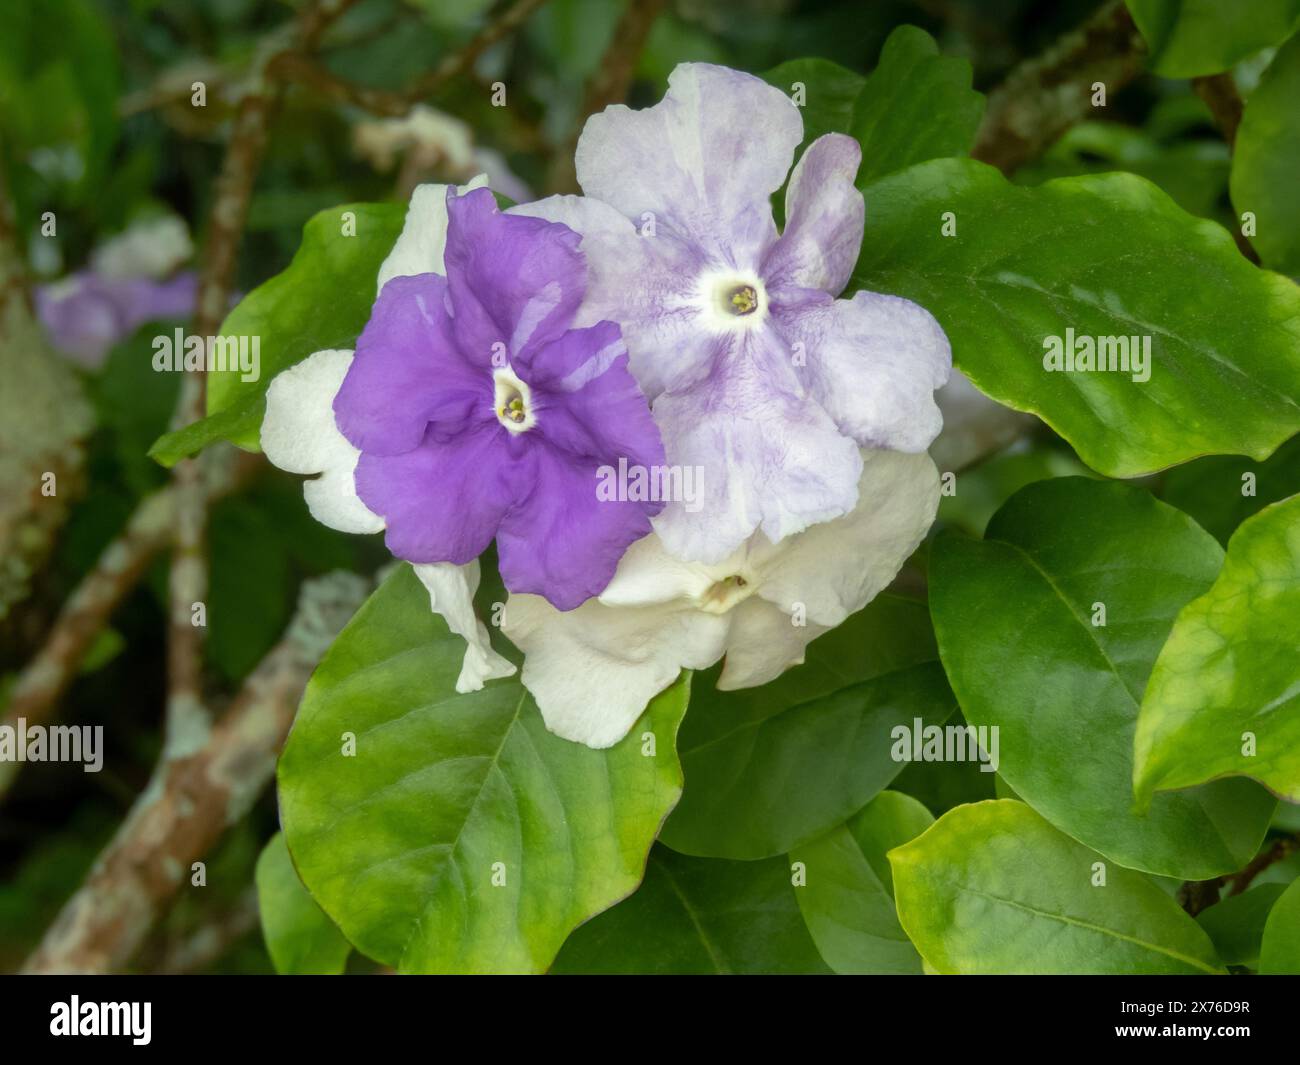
<point>756,372</point>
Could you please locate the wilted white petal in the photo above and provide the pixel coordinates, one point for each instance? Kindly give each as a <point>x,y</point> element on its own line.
<point>299,435</point>
<point>451,593</point>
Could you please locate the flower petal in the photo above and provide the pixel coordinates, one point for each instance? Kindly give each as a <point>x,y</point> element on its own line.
<point>513,280</point>
<point>442,501</point>
<point>420,246</point>
<point>973,424</point>
<point>763,643</point>
<point>705,158</point>
<point>836,568</point>
<point>767,458</point>
<point>873,362</point>
<point>824,216</point>
<point>593,670</point>
<point>408,372</point>
<point>451,593</point>
<point>647,284</point>
<point>588,403</point>
<point>299,435</point>
<point>562,541</point>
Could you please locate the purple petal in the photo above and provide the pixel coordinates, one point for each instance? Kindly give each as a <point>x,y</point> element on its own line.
<point>770,458</point>
<point>823,220</point>
<point>712,151</point>
<point>513,280</point>
<point>562,541</point>
<point>443,501</point>
<point>408,372</point>
<point>873,362</point>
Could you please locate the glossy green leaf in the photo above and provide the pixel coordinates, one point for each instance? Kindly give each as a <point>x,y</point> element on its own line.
<point>300,938</point>
<point>847,899</point>
<point>772,767</point>
<point>461,836</point>
<point>994,888</point>
<point>827,94</point>
<point>1266,161</point>
<point>1188,38</point>
<point>321,300</point>
<point>1279,953</point>
<point>1222,491</point>
<point>1224,696</point>
<point>979,491</point>
<point>1108,256</point>
<point>917,105</point>
<point>1014,615</point>
<point>698,915</point>
<point>1236,924</point>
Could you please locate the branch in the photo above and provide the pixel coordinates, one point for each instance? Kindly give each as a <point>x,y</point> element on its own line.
<point>1046,95</point>
<point>303,70</point>
<point>1282,848</point>
<point>188,582</point>
<point>193,798</point>
<point>120,567</point>
<point>1220,94</point>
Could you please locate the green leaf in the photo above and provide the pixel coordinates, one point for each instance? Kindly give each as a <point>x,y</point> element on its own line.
<point>695,915</point>
<point>299,937</point>
<point>322,300</point>
<point>848,900</point>
<point>1107,256</point>
<point>1279,953</point>
<point>917,105</point>
<point>828,93</point>
<point>994,888</point>
<point>981,490</point>
<point>1222,491</point>
<point>461,836</point>
<point>1189,38</point>
<point>1236,925</point>
<point>770,768</point>
<point>1224,696</point>
<point>1014,615</point>
<point>1266,160</point>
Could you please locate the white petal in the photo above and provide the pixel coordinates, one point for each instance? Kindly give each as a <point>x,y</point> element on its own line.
<point>593,670</point>
<point>451,593</point>
<point>707,156</point>
<point>836,568</point>
<point>648,575</point>
<point>973,424</point>
<point>299,435</point>
<point>763,643</point>
<point>423,240</point>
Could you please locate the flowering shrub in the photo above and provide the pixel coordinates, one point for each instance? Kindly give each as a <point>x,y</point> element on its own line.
<point>805,519</point>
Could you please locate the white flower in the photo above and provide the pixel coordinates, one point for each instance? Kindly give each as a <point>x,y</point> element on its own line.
<point>593,670</point>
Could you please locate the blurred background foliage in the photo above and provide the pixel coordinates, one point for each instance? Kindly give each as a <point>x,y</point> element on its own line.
<point>97,126</point>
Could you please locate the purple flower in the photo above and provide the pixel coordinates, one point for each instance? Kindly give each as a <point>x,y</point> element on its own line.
<point>757,373</point>
<point>479,412</point>
<point>87,314</point>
